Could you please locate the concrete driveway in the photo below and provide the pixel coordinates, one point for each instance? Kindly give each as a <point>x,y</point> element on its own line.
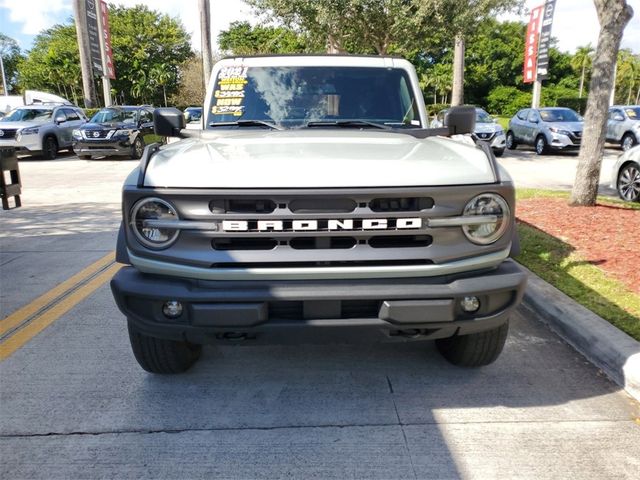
<point>74,404</point>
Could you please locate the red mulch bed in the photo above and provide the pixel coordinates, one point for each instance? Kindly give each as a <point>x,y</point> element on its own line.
<point>605,235</point>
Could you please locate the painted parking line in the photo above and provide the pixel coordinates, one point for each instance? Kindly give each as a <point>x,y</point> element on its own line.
<point>24,324</point>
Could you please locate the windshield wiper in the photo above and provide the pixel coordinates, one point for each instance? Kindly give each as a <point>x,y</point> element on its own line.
<point>347,124</point>
<point>246,123</point>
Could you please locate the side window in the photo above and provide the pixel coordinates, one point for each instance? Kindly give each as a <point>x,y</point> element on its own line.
<point>533,116</point>
<point>522,114</point>
<point>146,116</point>
<point>71,114</point>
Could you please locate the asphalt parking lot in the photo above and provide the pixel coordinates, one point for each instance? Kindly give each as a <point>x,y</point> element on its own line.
<point>74,403</point>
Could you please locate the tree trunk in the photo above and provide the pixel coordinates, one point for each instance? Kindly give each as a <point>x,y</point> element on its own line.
<point>581,81</point>
<point>457,94</point>
<point>638,96</point>
<point>205,33</point>
<point>613,16</point>
<point>164,94</point>
<point>333,45</point>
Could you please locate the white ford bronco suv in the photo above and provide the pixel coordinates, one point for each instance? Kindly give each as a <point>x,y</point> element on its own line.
<point>316,200</point>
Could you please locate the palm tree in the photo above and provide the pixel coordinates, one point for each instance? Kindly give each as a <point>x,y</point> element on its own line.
<point>161,75</point>
<point>581,60</point>
<point>628,71</point>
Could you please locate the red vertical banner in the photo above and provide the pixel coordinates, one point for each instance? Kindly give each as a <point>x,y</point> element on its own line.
<point>110,69</point>
<point>531,45</point>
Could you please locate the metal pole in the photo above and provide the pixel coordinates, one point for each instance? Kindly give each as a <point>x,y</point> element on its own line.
<point>537,90</point>
<point>106,81</point>
<point>4,80</point>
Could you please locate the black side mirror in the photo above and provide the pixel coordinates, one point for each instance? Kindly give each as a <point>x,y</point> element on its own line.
<point>167,122</point>
<point>460,120</point>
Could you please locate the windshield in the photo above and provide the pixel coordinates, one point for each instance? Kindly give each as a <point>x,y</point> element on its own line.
<point>483,117</point>
<point>110,115</point>
<point>291,97</point>
<point>633,113</point>
<point>28,115</point>
<point>560,115</point>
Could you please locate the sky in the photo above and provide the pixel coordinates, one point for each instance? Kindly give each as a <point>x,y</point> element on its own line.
<point>575,21</point>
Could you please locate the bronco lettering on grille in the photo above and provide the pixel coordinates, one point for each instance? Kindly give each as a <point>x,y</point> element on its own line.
<point>321,225</point>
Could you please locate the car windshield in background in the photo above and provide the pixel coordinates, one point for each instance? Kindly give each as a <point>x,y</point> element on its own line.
<point>560,115</point>
<point>633,113</point>
<point>110,115</point>
<point>483,117</point>
<point>291,97</point>
<point>28,115</point>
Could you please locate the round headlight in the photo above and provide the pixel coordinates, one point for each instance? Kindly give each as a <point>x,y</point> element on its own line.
<point>142,215</point>
<point>497,210</point>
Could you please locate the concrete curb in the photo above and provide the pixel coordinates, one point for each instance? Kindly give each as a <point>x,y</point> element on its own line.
<point>613,351</point>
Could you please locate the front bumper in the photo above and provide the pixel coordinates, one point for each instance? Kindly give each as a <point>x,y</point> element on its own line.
<point>563,142</point>
<point>103,147</point>
<point>420,308</point>
<point>499,142</point>
<point>23,143</point>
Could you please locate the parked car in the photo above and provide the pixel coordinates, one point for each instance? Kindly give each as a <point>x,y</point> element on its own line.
<point>487,130</point>
<point>555,128</point>
<point>192,114</point>
<point>41,128</point>
<point>625,176</point>
<point>623,126</point>
<point>118,130</point>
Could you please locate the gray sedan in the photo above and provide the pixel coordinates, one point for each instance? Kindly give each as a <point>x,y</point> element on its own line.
<point>546,129</point>
<point>623,126</point>
<point>625,177</point>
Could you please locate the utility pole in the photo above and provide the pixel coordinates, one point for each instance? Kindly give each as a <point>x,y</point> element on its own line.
<point>88,88</point>
<point>537,90</point>
<point>106,81</point>
<point>205,34</point>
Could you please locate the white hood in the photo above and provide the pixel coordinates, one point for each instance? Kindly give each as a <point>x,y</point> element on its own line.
<point>315,159</point>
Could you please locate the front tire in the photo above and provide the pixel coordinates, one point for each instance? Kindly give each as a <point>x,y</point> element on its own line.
<point>511,141</point>
<point>628,141</point>
<point>499,152</point>
<point>628,184</point>
<point>50,148</point>
<point>157,355</point>
<point>137,149</point>
<point>541,145</point>
<point>475,349</point>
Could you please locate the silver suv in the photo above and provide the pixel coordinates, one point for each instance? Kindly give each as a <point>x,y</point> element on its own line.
<point>42,128</point>
<point>623,126</point>
<point>487,130</point>
<point>554,128</point>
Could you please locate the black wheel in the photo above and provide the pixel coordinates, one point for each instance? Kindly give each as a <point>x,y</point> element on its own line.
<point>629,182</point>
<point>84,157</point>
<point>541,145</point>
<point>511,141</point>
<point>499,152</point>
<point>628,141</point>
<point>157,355</point>
<point>476,349</point>
<point>137,149</point>
<point>50,148</point>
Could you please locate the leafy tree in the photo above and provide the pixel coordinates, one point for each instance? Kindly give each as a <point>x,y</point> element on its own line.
<point>148,48</point>
<point>11,57</point>
<point>581,62</point>
<point>628,77</point>
<point>507,100</point>
<point>190,85</point>
<point>356,26</point>
<point>243,39</point>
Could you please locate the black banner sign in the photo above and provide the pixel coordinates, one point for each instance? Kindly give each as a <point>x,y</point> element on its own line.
<point>545,40</point>
<point>94,36</point>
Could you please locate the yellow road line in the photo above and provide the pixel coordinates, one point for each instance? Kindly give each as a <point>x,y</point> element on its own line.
<point>22,336</point>
<point>19,316</point>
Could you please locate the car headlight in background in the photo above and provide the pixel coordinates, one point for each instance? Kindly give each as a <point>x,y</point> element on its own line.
<point>490,204</point>
<point>559,131</point>
<point>148,211</point>
<point>30,131</point>
<point>76,134</point>
<point>122,133</point>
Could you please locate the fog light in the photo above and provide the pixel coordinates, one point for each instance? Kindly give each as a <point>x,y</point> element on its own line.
<point>470,304</point>
<point>172,309</point>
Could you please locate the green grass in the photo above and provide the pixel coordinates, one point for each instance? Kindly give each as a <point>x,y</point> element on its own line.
<point>556,262</point>
<point>525,193</point>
